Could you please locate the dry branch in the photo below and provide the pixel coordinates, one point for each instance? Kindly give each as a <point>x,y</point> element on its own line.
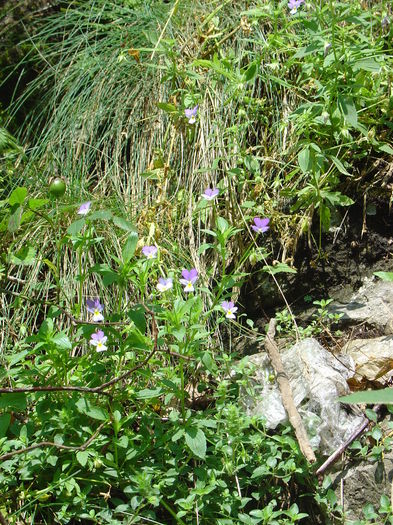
<point>286,394</point>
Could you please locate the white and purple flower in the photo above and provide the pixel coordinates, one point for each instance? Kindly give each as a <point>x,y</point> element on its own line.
<point>95,307</point>
<point>84,208</point>
<point>164,284</point>
<point>210,193</point>
<point>294,5</point>
<point>229,309</point>
<point>150,252</point>
<point>98,339</point>
<point>189,279</point>
<point>260,225</point>
<point>191,114</point>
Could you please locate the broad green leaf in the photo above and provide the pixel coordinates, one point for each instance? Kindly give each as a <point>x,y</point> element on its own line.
<point>374,397</point>
<point>305,160</point>
<point>204,247</point>
<point>149,393</point>
<point>278,268</point>
<point>100,215</point>
<point>222,224</point>
<point>109,276</point>
<point>35,204</point>
<point>82,456</point>
<point>385,276</point>
<point>85,407</point>
<point>339,165</point>
<point>62,341</point>
<point>137,315</point>
<point>5,420</point>
<point>17,196</point>
<point>386,148</point>
<point>196,441</point>
<point>129,247</point>
<point>123,224</point>
<point>166,106</point>
<point>14,220</point>
<point>16,401</point>
<point>76,226</point>
<point>12,359</point>
<point>348,110</point>
<point>366,64</point>
<point>24,257</point>
<point>251,72</point>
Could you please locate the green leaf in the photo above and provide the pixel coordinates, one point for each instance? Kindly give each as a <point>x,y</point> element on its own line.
<point>348,110</point>
<point>129,247</point>
<point>222,224</point>
<point>385,276</point>
<point>278,268</point>
<point>304,160</point>
<point>16,401</point>
<point>5,420</point>
<point>204,247</point>
<point>149,393</point>
<point>386,148</point>
<point>82,457</point>
<point>14,220</point>
<point>123,224</point>
<point>24,257</point>
<point>62,341</point>
<point>196,441</point>
<point>339,165</point>
<point>109,276</point>
<point>100,215</point>
<point>85,407</point>
<point>35,204</point>
<point>384,397</point>
<point>17,196</point>
<point>166,106</point>
<point>366,64</point>
<point>137,315</point>
<point>75,227</point>
<point>251,72</point>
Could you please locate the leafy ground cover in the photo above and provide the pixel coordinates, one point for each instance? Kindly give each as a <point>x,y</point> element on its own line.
<point>163,153</point>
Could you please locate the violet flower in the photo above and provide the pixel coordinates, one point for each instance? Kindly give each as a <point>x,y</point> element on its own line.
<point>191,114</point>
<point>210,194</point>
<point>189,279</point>
<point>150,252</point>
<point>294,5</point>
<point>164,284</point>
<point>98,339</point>
<point>95,307</point>
<point>84,208</point>
<point>260,225</point>
<point>229,309</point>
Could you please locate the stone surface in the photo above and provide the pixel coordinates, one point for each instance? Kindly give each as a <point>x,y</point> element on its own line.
<point>363,483</point>
<point>371,304</point>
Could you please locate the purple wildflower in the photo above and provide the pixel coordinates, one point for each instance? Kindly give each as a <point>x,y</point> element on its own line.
<point>95,307</point>
<point>84,208</point>
<point>164,284</point>
<point>191,114</point>
<point>210,194</point>
<point>229,309</point>
<point>294,5</point>
<point>150,252</point>
<point>260,225</point>
<point>98,339</point>
<point>189,279</point>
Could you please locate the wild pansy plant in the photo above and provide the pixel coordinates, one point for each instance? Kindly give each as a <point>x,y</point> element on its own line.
<point>95,307</point>
<point>189,278</point>
<point>164,284</point>
<point>84,208</point>
<point>230,309</point>
<point>210,193</point>
<point>150,252</point>
<point>260,225</point>
<point>191,114</point>
<point>294,5</point>
<point>98,339</point>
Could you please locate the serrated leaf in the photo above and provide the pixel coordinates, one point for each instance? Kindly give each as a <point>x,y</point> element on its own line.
<point>196,441</point>
<point>5,420</point>
<point>384,397</point>
<point>130,247</point>
<point>62,342</point>
<point>278,268</point>
<point>149,393</point>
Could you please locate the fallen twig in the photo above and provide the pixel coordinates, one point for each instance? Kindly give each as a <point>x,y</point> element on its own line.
<point>51,444</point>
<point>286,394</point>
